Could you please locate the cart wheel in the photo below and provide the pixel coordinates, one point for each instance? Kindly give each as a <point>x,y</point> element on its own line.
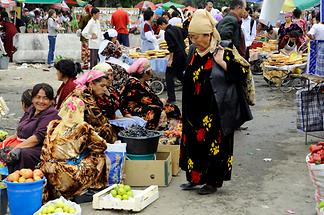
<point>157,87</point>
<point>274,82</point>
<point>287,85</point>
<point>299,83</point>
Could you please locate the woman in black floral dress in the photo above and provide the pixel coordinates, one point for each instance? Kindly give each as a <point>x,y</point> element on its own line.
<point>137,99</point>
<point>110,48</point>
<point>209,120</point>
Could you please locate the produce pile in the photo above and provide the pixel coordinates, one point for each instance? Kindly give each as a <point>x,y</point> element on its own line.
<point>122,192</point>
<point>25,175</point>
<point>59,206</point>
<point>3,135</point>
<point>138,131</point>
<point>150,54</point>
<point>317,153</point>
<point>3,107</point>
<point>172,136</point>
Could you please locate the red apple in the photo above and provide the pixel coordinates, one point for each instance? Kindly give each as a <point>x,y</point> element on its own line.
<point>37,178</point>
<point>21,179</point>
<point>29,180</point>
<point>13,177</point>
<point>38,172</point>
<point>26,173</point>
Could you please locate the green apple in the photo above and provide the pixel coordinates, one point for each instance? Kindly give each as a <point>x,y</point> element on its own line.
<point>121,191</point>
<point>58,210</point>
<point>125,197</point>
<point>127,188</point>
<point>72,211</point>
<point>130,194</point>
<point>113,193</point>
<point>59,204</point>
<point>50,209</point>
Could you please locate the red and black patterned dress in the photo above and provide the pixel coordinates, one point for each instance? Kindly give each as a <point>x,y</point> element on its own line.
<point>138,99</point>
<point>206,155</point>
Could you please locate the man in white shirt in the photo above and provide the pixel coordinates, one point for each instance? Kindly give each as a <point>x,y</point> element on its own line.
<point>317,30</point>
<point>209,7</point>
<point>93,33</point>
<point>248,28</point>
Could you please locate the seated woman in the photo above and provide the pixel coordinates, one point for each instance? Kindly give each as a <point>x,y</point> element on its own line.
<point>293,43</point>
<point>91,88</point>
<point>67,72</point>
<point>32,128</point>
<point>109,102</point>
<point>110,52</point>
<point>73,158</point>
<point>137,99</point>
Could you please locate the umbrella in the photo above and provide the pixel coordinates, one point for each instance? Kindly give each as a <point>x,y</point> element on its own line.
<point>189,8</point>
<point>290,5</point>
<point>167,5</point>
<point>62,6</point>
<point>7,3</point>
<point>76,2</point>
<point>145,4</point>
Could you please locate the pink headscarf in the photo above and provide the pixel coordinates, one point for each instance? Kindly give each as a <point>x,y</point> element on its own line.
<point>88,77</point>
<point>289,14</point>
<point>139,66</point>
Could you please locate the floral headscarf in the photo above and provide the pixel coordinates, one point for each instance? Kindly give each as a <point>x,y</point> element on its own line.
<point>72,114</point>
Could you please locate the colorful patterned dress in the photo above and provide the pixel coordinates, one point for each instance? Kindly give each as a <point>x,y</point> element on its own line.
<point>206,155</point>
<point>138,99</point>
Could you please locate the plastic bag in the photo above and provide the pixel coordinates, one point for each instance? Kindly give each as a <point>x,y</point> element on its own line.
<point>116,154</point>
<point>59,201</point>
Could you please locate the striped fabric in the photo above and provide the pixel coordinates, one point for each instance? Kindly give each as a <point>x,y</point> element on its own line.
<point>315,64</point>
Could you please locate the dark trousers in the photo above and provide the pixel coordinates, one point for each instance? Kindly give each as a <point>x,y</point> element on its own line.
<point>171,74</point>
<point>93,57</point>
<point>51,49</point>
<point>123,39</point>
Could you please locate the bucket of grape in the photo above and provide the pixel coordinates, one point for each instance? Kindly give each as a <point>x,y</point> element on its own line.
<point>139,140</point>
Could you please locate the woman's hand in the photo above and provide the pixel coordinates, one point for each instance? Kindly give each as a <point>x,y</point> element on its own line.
<point>219,57</point>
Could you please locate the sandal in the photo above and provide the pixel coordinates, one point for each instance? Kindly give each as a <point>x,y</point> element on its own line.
<point>188,186</point>
<point>207,189</point>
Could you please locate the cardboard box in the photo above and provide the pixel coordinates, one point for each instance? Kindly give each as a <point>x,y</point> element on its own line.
<point>149,172</point>
<point>175,154</point>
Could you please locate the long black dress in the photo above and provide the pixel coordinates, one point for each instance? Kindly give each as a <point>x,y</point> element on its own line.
<point>206,154</point>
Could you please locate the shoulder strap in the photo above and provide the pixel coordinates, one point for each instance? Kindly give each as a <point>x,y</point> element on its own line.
<point>251,26</point>
<point>191,52</point>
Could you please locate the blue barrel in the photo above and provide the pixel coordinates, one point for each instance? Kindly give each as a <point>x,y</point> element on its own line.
<point>25,198</point>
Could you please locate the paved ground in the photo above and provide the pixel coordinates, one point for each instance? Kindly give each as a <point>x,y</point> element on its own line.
<point>257,187</point>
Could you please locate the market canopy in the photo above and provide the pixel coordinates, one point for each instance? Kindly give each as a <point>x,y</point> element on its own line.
<point>167,5</point>
<point>289,5</point>
<point>40,1</point>
<point>76,2</point>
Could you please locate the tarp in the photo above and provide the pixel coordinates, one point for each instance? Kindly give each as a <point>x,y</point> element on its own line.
<point>40,1</point>
<point>167,5</point>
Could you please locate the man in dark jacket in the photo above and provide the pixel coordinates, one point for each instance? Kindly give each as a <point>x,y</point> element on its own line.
<point>229,27</point>
<point>174,36</point>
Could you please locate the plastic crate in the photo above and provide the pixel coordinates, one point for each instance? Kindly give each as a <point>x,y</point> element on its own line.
<point>141,199</point>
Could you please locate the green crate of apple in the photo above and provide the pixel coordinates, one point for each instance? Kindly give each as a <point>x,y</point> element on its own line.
<point>59,206</point>
<point>3,135</point>
<point>122,192</point>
